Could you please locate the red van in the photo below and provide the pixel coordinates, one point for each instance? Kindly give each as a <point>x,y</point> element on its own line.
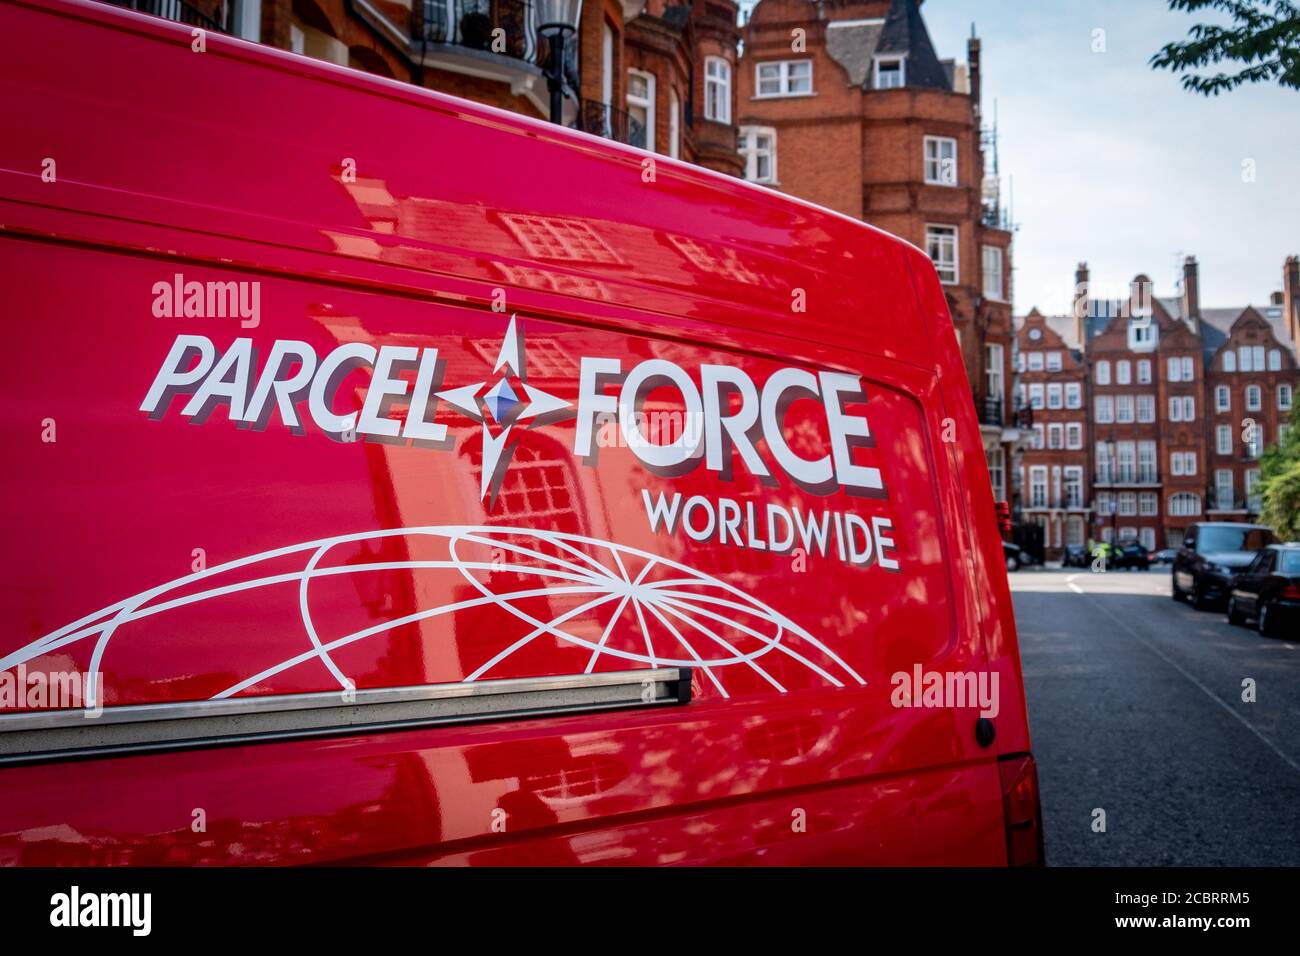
<point>392,479</point>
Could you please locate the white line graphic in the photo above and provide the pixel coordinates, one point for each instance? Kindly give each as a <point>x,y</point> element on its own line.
<point>592,572</point>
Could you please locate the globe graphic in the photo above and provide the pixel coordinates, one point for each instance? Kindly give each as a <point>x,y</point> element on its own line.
<point>668,614</point>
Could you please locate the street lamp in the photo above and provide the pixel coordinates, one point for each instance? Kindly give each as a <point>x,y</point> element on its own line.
<point>556,19</point>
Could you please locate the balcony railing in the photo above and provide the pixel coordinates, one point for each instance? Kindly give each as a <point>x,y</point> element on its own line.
<point>505,27</point>
<point>180,11</point>
<point>610,122</point>
<point>989,410</point>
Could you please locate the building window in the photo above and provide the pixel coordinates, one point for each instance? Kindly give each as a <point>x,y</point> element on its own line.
<point>1053,361</point>
<point>891,72</point>
<point>1182,408</point>
<point>1038,486</point>
<point>1147,538</point>
<point>1254,436</point>
<point>1074,435</point>
<point>1253,401</point>
<point>993,370</point>
<point>1182,463</point>
<point>717,90</point>
<point>1142,335</point>
<point>1284,398</point>
<point>1124,409</point>
<point>783,78</point>
<point>758,146</point>
<point>1038,441</point>
<point>1146,461</point>
<point>1222,398</point>
<point>993,289</point>
<point>641,103</point>
<point>997,474</point>
<point>1102,457</point>
<point>674,124</point>
<point>1146,408</point>
<point>1185,505</point>
<point>1105,409</point>
<point>1055,436</point>
<point>1126,461</point>
<point>1054,396</point>
<point>1073,486</point>
<point>1223,440</point>
<point>1274,360</point>
<point>1253,500</point>
<point>941,244</point>
<point>1229,361</point>
<point>1074,530</point>
<point>1250,358</point>
<point>1103,372</point>
<point>1223,489</point>
<point>1123,372</point>
<point>1148,502</point>
<point>940,161</point>
<point>1144,372</point>
<point>1036,395</point>
<point>1128,503</point>
<point>1035,361</point>
<point>1073,395</point>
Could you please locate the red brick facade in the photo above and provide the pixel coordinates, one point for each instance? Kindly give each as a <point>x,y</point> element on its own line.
<point>900,150</point>
<point>1180,400</point>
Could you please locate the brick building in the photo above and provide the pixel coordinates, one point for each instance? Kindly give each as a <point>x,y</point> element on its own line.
<point>1053,483</point>
<point>1180,400</point>
<point>650,73</point>
<point>846,103</point>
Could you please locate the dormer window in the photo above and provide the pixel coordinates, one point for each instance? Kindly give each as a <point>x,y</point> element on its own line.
<point>891,72</point>
<point>1142,334</point>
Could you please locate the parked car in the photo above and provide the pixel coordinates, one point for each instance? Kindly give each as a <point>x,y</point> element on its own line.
<point>1131,555</point>
<point>1268,590</point>
<point>1164,556</point>
<point>1212,552</point>
<point>367,568</point>
<point>1076,556</point>
<point>1015,556</point>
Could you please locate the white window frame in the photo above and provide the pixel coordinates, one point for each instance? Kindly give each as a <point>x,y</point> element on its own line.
<point>1074,435</point>
<point>994,286</point>
<point>901,61</point>
<point>946,235</point>
<point>1037,472</point>
<point>1073,395</point>
<point>1223,440</point>
<point>938,167</point>
<point>647,104</point>
<point>1102,372</point>
<point>1104,409</point>
<point>1146,408</point>
<point>784,81</point>
<point>749,149</point>
<point>1223,482</point>
<point>1285,397</point>
<point>1144,371</point>
<point>717,86</point>
<point>1123,372</point>
<point>1229,360</point>
<point>674,124</point>
<point>1055,398</point>
<point>1222,398</point>
<point>1254,398</point>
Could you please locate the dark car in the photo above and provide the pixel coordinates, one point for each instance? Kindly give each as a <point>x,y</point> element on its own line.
<point>1212,552</point>
<point>1016,558</point>
<point>1269,591</point>
<point>1164,556</point>
<point>1130,555</point>
<point>1076,556</point>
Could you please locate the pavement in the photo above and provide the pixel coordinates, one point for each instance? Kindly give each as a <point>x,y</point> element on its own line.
<point>1136,709</point>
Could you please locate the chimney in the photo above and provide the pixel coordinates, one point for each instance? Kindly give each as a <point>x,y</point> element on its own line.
<point>1191,293</point>
<point>973,66</point>
<point>1081,303</point>
<point>1291,297</point>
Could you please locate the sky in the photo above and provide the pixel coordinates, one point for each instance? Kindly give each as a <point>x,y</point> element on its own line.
<point>1109,161</point>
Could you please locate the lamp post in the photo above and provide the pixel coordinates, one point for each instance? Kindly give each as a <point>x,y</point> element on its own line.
<point>557,19</point>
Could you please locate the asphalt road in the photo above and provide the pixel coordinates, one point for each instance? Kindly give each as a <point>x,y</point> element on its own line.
<point>1135,707</point>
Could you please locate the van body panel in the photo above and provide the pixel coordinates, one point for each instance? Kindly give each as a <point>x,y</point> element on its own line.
<point>194,513</point>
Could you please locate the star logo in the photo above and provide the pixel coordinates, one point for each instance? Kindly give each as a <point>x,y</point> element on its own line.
<point>500,410</point>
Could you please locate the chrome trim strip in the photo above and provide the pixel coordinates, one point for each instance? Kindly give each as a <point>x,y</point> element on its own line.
<point>53,734</point>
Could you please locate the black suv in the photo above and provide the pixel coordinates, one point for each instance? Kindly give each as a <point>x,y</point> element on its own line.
<point>1212,552</point>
